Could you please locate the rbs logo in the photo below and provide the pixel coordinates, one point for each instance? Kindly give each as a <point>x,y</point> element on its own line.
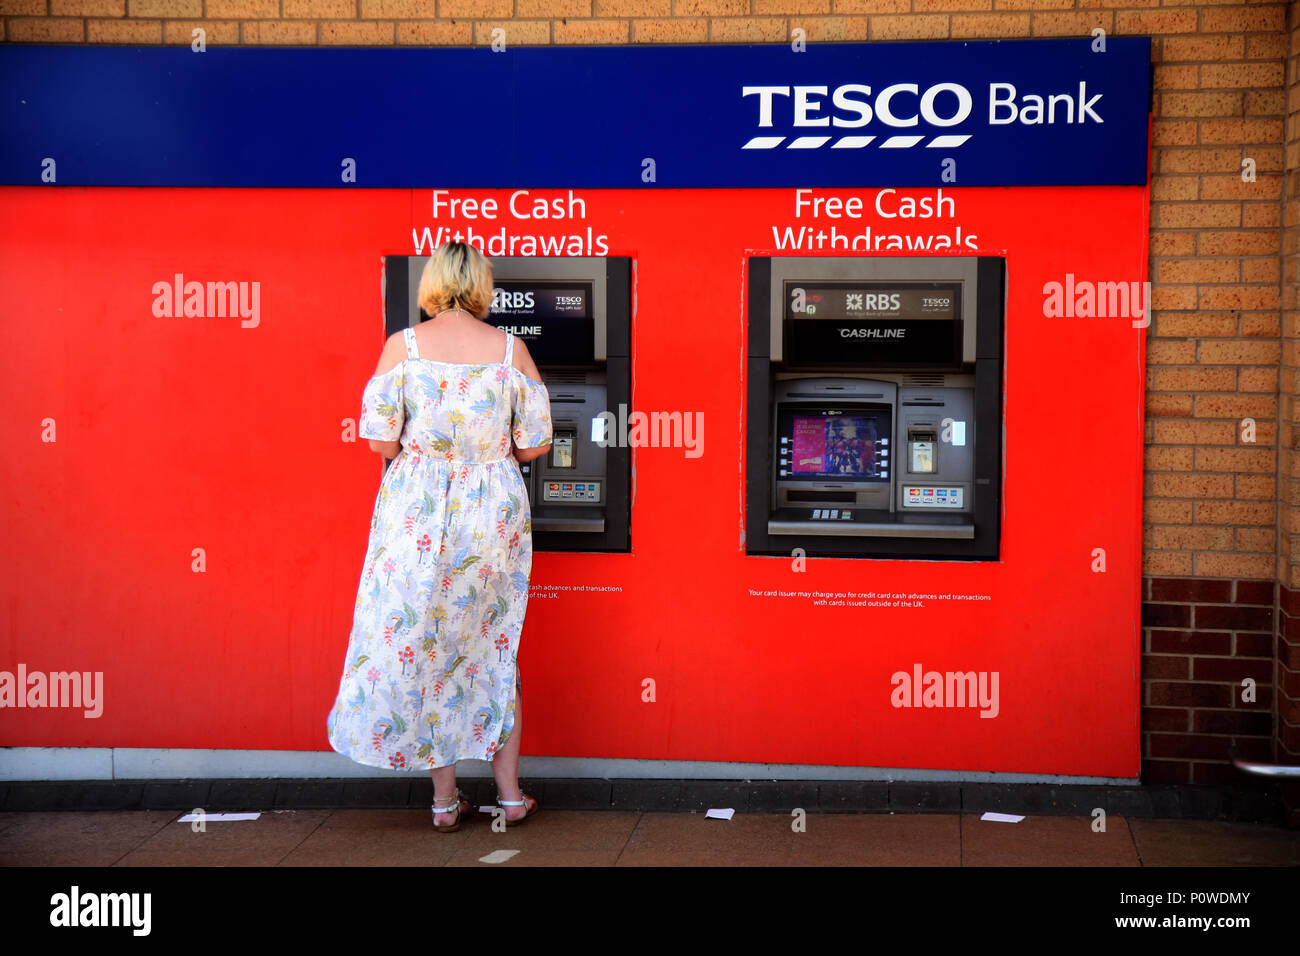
<point>501,299</point>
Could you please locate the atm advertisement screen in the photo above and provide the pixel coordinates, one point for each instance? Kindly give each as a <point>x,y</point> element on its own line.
<point>828,445</point>
<point>881,323</point>
<point>554,319</point>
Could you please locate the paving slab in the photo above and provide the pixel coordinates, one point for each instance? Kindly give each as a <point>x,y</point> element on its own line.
<point>77,838</point>
<point>878,839</point>
<point>689,839</point>
<point>261,842</point>
<point>1046,841</point>
<point>1208,843</point>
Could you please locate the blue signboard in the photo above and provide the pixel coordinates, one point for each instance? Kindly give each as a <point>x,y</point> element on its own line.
<point>998,113</point>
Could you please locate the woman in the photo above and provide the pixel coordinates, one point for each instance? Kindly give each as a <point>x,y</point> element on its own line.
<point>430,676</point>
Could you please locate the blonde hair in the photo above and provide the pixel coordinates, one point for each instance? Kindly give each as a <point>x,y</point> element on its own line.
<point>456,277</point>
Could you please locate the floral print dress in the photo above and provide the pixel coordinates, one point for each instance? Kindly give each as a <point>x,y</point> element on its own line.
<point>430,674</point>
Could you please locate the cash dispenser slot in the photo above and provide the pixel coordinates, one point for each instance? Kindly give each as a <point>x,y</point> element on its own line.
<point>574,315</point>
<point>874,406</point>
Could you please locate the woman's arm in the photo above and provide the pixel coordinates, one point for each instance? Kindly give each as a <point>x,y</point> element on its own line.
<point>392,355</point>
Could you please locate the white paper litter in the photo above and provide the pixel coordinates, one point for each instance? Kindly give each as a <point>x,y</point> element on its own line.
<point>715,814</point>
<point>1002,817</point>
<point>497,856</point>
<point>210,817</point>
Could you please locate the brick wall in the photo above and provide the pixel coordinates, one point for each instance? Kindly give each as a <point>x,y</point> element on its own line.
<point>1222,502</point>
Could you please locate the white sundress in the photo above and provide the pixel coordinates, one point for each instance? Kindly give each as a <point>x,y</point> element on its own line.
<point>430,674</point>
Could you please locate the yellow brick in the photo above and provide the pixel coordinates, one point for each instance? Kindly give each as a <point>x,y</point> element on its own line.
<point>1232,566</point>
<point>1034,5</point>
<point>1244,19</point>
<point>1238,352</point>
<point>351,33</point>
<point>1239,297</point>
<point>19,8</point>
<point>1236,407</point>
<point>1258,461</point>
<point>1174,189</point>
<point>1241,131</point>
<point>1164,352</point>
<point>399,10</point>
<point>872,6</point>
<point>1257,380</point>
<point>1199,160</point>
<point>1231,187</point>
<point>1199,104</point>
<point>435,33</point>
<point>970,26</point>
<point>314,9</point>
<point>929,26</point>
<point>748,30</point>
<point>833,29</point>
<point>1200,49</point>
<point>1238,76</point>
<point>280,33</point>
<point>1196,324</point>
<point>165,8</point>
<point>951,6</point>
<point>1243,243</point>
<point>1265,102</point>
<point>634,8</point>
<point>1173,243</point>
<point>1170,431</point>
<point>1154,22</point>
<point>1166,511</point>
<point>135,32</point>
<point>1168,459</point>
<point>1255,486</point>
<point>1197,270</point>
<point>474,9</point>
<point>217,32</point>
<point>552,9</point>
<point>1234,512</point>
<point>240,9</point>
<point>1255,539</point>
<point>592,31</point>
<point>87,8</point>
<point>517,32</point>
<point>1176,78</point>
<point>1195,379</point>
<point>1173,133</point>
<point>45,30</point>
<point>1167,563</point>
<point>1265,47</point>
<point>1193,538</point>
<point>792,8</point>
<point>670,31</point>
<point>1165,405</point>
<point>1259,270</point>
<point>1073,24</point>
<point>1189,485</point>
<point>1196,215</point>
<point>710,8</point>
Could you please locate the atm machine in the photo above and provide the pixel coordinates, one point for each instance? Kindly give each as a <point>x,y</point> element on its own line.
<point>875,406</point>
<point>574,313</point>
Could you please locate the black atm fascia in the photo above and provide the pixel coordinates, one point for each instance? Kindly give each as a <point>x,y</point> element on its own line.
<point>584,361</point>
<point>954,372</point>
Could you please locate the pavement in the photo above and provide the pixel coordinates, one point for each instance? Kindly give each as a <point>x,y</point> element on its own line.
<point>630,838</point>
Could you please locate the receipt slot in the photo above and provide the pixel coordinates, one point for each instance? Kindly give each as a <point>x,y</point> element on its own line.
<point>574,313</point>
<point>875,407</point>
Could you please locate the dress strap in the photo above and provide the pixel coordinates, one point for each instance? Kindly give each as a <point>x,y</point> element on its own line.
<point>411,350</point>
<point>510,349</point>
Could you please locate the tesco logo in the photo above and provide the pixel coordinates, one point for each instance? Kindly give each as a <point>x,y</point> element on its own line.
<point>851,105</point>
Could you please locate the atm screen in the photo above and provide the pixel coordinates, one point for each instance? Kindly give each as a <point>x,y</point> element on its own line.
<point>554,318</point>
<point>816,444</point>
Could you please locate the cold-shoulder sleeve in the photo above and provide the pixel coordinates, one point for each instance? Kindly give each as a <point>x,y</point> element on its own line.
<point>530,426</point>
<point>382,414</point>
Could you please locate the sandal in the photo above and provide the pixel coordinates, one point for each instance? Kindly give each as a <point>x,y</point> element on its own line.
<point>459,807</point>
<point>519,803</point>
